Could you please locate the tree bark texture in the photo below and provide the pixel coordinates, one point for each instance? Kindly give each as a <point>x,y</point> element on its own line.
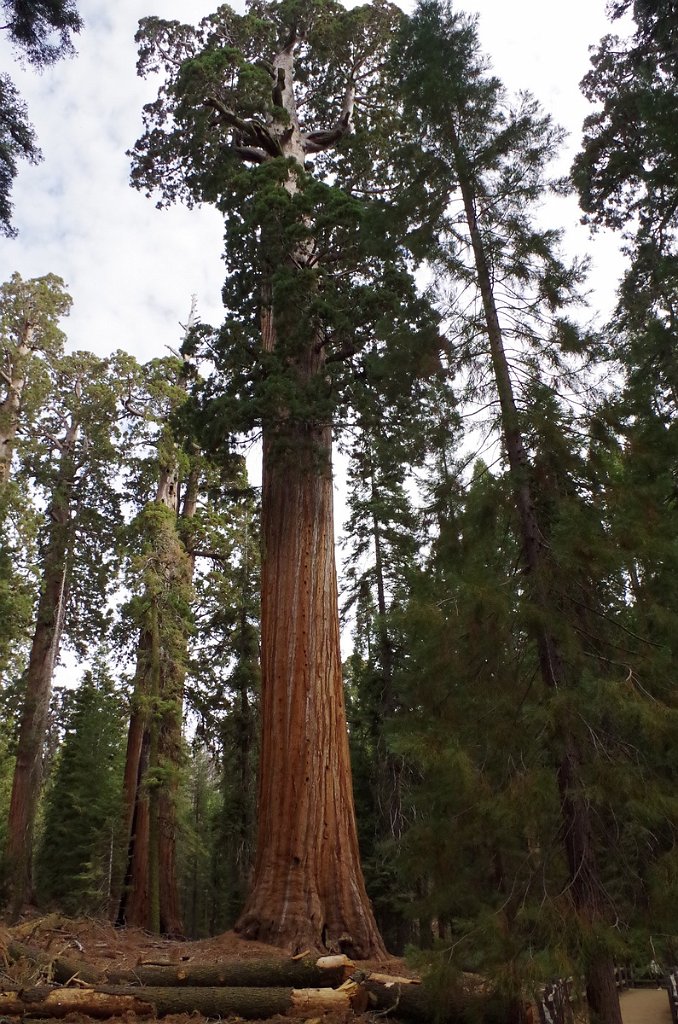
<point>59,1002</point>
<point>409,1002</point>
<point>309,972</point>
<point>37,681</point>
<point>308,889</point>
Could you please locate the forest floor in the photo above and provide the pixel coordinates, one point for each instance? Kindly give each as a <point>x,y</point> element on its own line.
<point>645,1006</point>
<point>103,947</point>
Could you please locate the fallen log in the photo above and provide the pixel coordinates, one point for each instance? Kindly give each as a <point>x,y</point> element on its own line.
<point>402,998</point>
<point>58,1002</point>
<point>247,1002</point>
<point>309,972</point>
<point>59,968</point>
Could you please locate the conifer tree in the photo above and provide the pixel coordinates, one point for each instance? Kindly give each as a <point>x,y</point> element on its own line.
<point>79,840</point>
<point>179,526</point>
<point>625,177</point>
<point>201,898</point>
<point>162,567</point>
<point>29,339</point>
<point>489,163</point>
<point>382,536</point>
<point>315,281</point>
<point>73,458</point>
<point>225,687</point>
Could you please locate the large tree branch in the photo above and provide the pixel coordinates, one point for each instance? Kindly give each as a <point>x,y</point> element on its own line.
<point>253,132</point>
<point>252,153</point>
<point>317,142</point>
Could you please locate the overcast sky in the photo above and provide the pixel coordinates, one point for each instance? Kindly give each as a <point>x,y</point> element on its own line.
<point>132,269</point>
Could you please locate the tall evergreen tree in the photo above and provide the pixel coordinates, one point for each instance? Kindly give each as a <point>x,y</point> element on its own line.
<point>74,459</point>
<point>29,339</point>
<point>314,279</point>
<point>78,844</point>
<point>488,161</point>
<point>625,176</point>
<point>162,568</point>
<point>224,690</point>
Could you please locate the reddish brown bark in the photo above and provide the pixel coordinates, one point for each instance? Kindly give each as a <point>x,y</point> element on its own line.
<point>27,777</point>
<point>308,888</point>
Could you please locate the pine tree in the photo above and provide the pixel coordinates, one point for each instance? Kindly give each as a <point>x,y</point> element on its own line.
<point>78,844</point>
<point>489,163</point>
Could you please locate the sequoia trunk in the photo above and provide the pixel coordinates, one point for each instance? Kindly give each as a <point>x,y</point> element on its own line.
<point>38,684</point>
<point>308,889</point>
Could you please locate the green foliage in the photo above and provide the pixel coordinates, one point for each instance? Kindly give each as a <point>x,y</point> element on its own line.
<point>17,142</point>
<point>6,773</point>
<point>41,33</point>
<point>329,262</point>
<point>629,158</point>
<point>223,690</point>
<point>79,845</point>
<point>202,900</point>
<point>72,453</point>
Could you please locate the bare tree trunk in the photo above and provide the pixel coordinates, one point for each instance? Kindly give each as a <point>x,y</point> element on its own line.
<point>27,778</point>
<point>308,888</point>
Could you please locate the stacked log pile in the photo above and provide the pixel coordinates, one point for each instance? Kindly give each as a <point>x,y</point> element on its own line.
<point>301,987</point>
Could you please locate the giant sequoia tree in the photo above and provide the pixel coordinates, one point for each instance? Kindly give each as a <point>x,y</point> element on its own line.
<point>161,612</point>
<point>73,459</point>
<point>29,339</point>
<point>248,102</point>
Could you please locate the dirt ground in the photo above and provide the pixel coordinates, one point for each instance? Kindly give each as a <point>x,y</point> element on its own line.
<point>104,947</point>
<point>101,945</point>
<point>645,1006</point>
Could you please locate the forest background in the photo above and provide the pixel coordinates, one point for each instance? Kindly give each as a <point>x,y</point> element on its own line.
<point>432,549</point>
